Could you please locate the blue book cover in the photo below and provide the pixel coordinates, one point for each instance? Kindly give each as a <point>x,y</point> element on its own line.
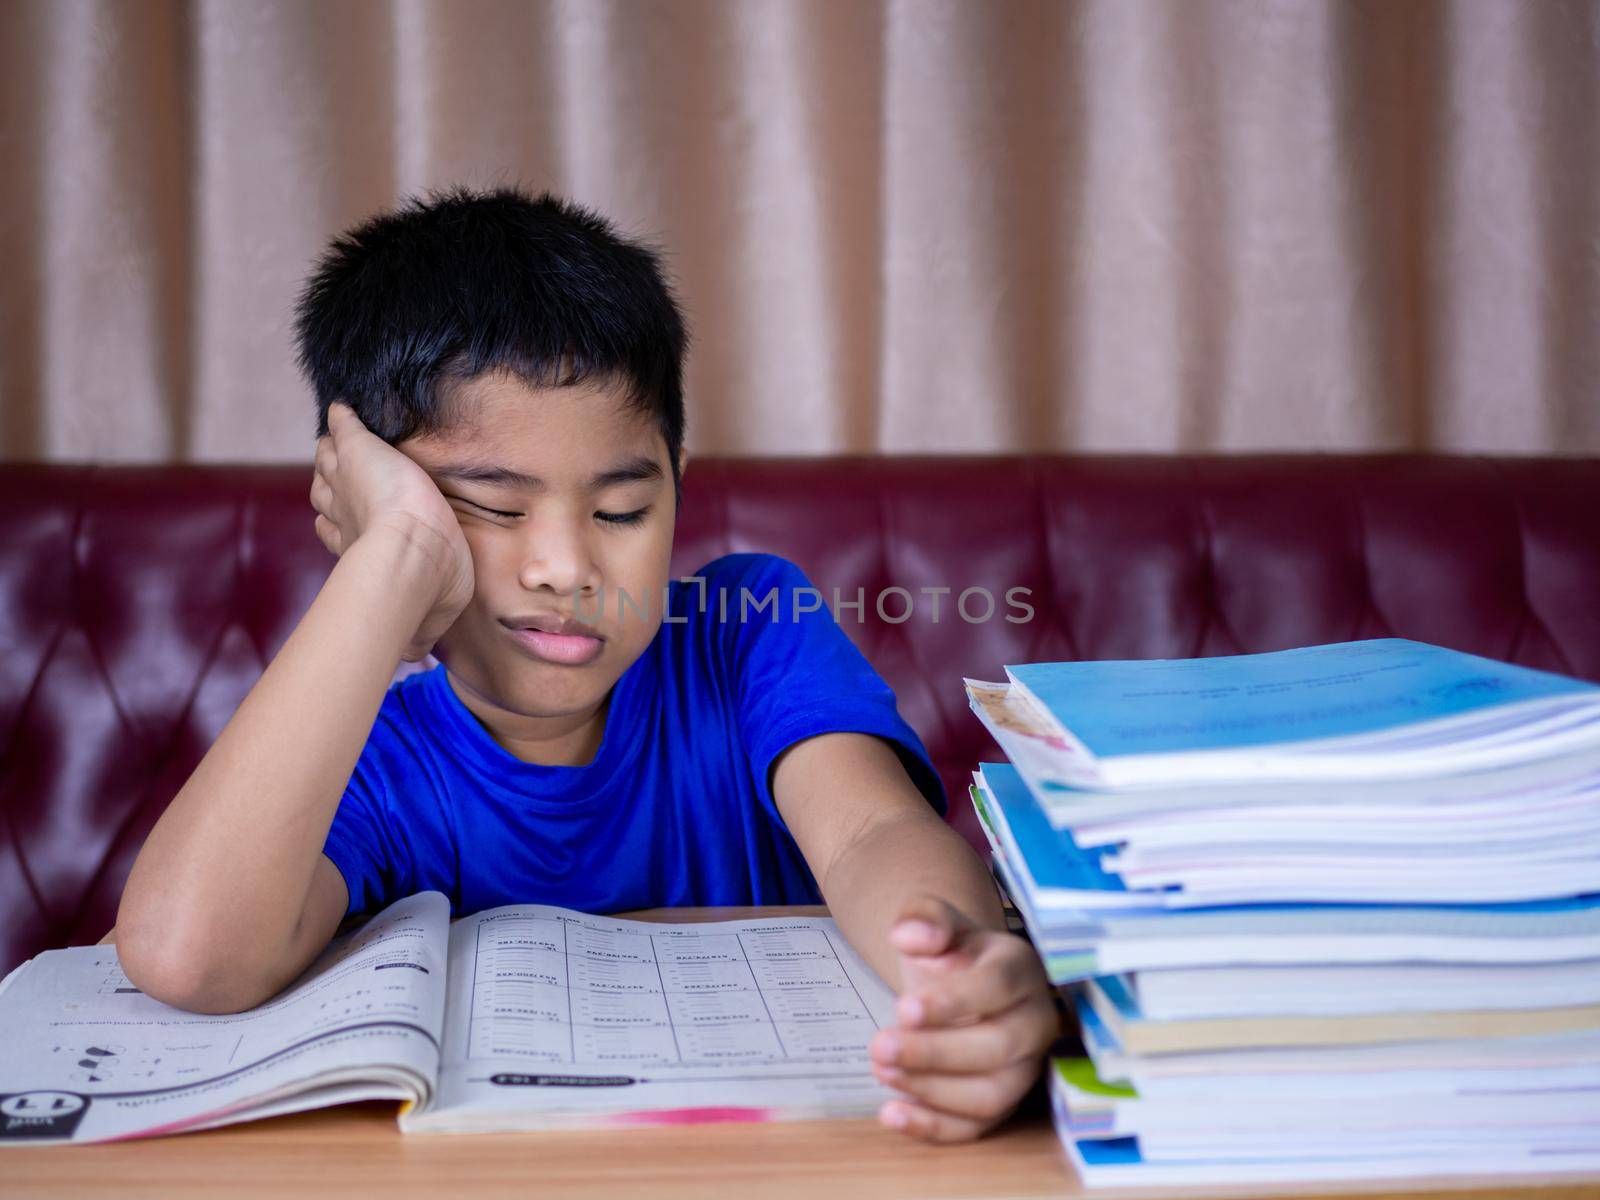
<point>1094,1029</point>
<point>1157,706</point>
<point>1111,1152</point>
<point>1053,859</point>
<point>1115,990</point>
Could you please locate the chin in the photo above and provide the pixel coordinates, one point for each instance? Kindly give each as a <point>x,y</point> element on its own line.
<point>545,704</point>
<point>534,690</point>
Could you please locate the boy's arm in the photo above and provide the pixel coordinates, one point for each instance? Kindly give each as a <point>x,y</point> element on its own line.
<point>210,919</point>
<point>230,897</point>
<point>975,1010</point>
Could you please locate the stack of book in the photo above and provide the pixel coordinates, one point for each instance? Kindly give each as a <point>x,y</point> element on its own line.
<point>1323,914</point>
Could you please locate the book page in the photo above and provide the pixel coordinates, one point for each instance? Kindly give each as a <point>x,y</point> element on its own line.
<point>91,1058</point>
<point>556,1017</point>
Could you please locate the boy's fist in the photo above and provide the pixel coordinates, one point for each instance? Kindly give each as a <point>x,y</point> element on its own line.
<point>363,485</point>
<point>975,1019</point>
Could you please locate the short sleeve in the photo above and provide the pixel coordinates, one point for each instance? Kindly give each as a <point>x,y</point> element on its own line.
<point>797,674</point>
<point>360,840</point>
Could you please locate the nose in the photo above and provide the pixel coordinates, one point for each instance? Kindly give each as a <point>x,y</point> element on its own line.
<point>558,558</point>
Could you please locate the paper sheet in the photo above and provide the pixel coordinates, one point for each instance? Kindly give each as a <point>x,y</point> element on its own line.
<point>88,1056</point>
<point>567,1016</point>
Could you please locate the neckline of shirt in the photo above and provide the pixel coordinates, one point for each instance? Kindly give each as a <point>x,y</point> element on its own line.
<point>565,787</point>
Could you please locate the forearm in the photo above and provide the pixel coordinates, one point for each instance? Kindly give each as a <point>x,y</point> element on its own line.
<point>225,872</point>
<point>878,874</point>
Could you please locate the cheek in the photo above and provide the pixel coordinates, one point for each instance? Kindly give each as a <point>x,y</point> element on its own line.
<point>493,560</point>
<point>640,575</point>
<point>656,545</point>
<point>642,565</point>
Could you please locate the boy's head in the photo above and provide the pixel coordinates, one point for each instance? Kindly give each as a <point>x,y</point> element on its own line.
<point>530,360</point>
<point>410,303</point>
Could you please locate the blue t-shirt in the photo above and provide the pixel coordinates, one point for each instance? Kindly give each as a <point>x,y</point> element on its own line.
<point>675,807</point>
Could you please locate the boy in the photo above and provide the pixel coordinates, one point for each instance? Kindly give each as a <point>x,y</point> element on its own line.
<point>499,382</point>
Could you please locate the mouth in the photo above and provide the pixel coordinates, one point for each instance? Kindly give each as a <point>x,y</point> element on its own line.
<point>554,639</point>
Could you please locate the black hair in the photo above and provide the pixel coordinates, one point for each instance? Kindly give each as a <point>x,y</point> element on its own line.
<point>442,289</point>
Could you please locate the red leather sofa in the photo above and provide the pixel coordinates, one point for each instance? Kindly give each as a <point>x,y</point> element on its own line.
<point>137,605</point>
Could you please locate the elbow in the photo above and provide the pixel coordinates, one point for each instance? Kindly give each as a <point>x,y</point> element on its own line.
<point>184,977</point>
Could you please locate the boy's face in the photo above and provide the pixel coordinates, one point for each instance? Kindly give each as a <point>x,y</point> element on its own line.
<point>565,498</point>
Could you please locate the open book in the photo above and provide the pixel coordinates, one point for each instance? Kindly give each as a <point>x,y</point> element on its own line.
<point>522,1017</point>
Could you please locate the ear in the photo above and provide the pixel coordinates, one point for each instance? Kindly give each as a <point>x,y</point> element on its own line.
<point>683,460</point>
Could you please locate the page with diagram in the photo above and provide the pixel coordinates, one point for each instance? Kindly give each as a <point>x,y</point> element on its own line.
<point>558,1018</point>
<point>88,1057</point>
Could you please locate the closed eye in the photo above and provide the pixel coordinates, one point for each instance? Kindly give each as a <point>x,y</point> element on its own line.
<point>610,518</point>
<point>485,508</point>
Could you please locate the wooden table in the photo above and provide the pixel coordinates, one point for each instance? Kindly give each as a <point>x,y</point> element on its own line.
<point>357,1151</point>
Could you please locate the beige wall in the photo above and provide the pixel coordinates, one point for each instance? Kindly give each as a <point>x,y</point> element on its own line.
<point>909,226</point>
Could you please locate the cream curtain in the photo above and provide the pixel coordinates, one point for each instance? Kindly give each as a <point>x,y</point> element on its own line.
<point>920,225</point>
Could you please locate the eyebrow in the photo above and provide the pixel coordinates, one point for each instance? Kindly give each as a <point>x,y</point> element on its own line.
<point>634,470</point>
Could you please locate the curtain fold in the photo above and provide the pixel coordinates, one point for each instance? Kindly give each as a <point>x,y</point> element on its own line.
<point>897,226</point>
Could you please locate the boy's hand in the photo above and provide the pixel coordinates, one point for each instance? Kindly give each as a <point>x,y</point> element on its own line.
<point>361,485</point>
<point>975,1016</point>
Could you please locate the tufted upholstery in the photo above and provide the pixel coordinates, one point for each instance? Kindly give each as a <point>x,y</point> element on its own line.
<point>137,605</point>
